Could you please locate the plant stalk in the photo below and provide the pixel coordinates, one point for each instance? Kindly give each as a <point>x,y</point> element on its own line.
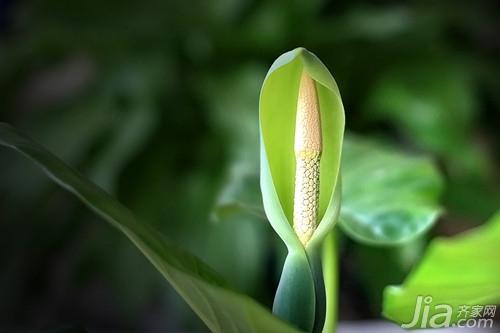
<point>330,276</point>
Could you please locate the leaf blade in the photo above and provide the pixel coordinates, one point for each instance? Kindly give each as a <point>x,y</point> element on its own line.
<point>452,272</point>
<point>220,308</point>
<point>389,198</point>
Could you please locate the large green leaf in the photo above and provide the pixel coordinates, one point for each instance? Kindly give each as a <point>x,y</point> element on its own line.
<point>457,271</point>
<point>388,197</point>
<point>222,309</point>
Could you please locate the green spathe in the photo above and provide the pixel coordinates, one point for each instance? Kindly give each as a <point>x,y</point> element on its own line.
<point>277,110</point>
<point>300,297</point>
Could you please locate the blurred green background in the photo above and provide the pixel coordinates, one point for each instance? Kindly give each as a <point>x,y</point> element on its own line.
<point>157,102</point>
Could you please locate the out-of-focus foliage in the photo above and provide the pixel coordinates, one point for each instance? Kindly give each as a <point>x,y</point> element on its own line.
<point>155,101</point>
<point>433,105</point>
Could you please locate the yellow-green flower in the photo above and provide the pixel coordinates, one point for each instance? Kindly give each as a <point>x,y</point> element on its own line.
<point>282,140</point>
<point>301,128</point>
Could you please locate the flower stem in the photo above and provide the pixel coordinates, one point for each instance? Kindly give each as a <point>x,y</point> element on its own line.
<point>330,276</point>
<point>295,297</point>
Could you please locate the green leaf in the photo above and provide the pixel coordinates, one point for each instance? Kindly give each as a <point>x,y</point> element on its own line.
<point>388,198</point>
<point>277,109</point>
<point>222,309</point>
<point>461,270</point>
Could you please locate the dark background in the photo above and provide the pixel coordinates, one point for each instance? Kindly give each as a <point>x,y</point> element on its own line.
<point>155,100</point>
